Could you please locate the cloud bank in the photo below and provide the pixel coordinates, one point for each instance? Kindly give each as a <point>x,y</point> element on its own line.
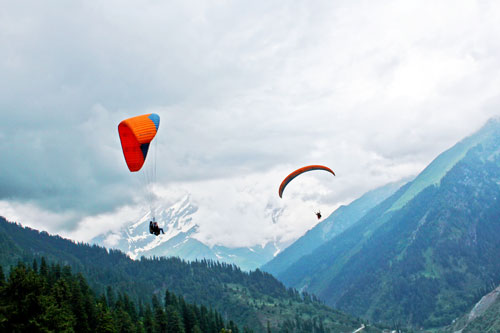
<point>246,93</point>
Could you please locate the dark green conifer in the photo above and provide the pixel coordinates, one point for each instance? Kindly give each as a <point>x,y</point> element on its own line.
<point>78,305</point>
<point>160,318</point>
<point>35,266</point>
<point>148,320</point>
<point>105,322</point>
<point>233,327</point>
<point>43,267</point>
<point>2,277</point>
<point>123,322</point>
<point>188,317</point>
<point>174,321</point>
<point>110,296</point>
<point>168,298</point>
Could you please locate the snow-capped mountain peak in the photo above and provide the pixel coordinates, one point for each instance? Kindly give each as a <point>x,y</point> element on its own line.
<point>177,221</point>
<point>135,239</point>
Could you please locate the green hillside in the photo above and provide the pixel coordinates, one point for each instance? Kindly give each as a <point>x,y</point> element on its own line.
<point>433,174</point>
<point>426,263</point>
<point>340,220</point>
<point>251,299</point>
<point>50,298</point>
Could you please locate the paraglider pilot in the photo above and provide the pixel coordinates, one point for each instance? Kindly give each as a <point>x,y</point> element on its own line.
<point>154,228</point>
<point>318,214</point>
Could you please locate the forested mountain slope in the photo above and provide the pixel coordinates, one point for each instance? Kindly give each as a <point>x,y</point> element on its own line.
<point>250,299</point>
<point>427,253</point>
<point>340,220</point>
<point>46,297</point>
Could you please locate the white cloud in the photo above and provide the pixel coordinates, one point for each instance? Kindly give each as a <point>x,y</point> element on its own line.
<point>246,93</point>
<point>30,214</point>
<point>245,210</point>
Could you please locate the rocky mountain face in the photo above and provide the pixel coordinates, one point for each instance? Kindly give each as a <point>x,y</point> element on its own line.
<point>426,254</point>
<point>484,316</point>
<point>179,240</point>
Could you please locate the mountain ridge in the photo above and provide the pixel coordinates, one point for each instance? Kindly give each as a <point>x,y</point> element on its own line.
<point>426,262</point>
<point>340,220</point>
<point>443,163</point>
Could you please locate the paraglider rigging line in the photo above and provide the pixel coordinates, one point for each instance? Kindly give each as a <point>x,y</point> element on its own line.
<point>148,177</point>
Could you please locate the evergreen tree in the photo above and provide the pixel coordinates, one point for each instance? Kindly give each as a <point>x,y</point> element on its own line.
<point>168,300</point>
<point>60,301</point>
<point>20,300</point>
<point>110,296</point>
<point>43,267</point>
<point>2,277</point>
<point>141,309</point>
<point>55,272</point>
<point>61,310</point>
<point>188,317</point>
<point>123,322</point>
<point>233,327</point>
<point>160,318</point>
<point>174,321</point>
<point>148,320</point>
<point>35,266</point>
<point>204,319</point>
<point>218,321</point>
<point>105,322</point>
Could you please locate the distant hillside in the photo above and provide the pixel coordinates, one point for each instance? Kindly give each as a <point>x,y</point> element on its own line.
<point>426,254</point>
<point>340,220</point>
<point>45,297</point>
<point>250,299</point>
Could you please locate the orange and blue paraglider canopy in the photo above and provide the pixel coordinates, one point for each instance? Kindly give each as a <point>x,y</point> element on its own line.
<point>136,133</point>
<point>297,172</point>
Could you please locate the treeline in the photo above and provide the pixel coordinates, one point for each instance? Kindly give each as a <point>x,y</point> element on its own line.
<point>201,281</point>
<point>300,325</point>
<point>51,298</point>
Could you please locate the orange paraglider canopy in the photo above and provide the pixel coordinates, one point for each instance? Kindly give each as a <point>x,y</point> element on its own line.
<point>297,172</point>
<point>136,133</point>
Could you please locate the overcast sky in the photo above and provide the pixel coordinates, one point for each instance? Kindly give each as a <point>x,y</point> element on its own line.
<point>247,91</point>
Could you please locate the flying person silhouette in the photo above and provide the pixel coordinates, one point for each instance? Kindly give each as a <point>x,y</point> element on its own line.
<point>154,228</point>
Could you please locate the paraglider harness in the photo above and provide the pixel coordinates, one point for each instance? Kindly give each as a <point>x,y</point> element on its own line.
<point>154,228</point>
